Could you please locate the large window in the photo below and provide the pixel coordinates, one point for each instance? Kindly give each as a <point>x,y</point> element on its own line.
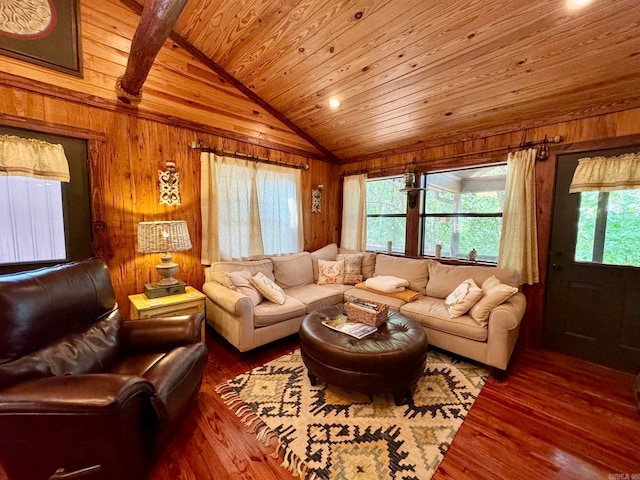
<point>462,211</point>
<point>43,222</point>
<point>609,228</point>
<point>386,214</point>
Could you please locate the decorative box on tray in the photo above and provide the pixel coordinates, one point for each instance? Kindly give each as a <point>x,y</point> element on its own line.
<point>367,312</point>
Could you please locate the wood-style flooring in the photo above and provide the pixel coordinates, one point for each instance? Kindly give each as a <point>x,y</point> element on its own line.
<point>553,417</point>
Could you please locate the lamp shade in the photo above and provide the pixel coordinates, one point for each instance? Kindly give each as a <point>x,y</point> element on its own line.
<point>162,237</point>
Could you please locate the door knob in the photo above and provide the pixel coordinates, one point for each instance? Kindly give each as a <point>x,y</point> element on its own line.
<point>556,266</point>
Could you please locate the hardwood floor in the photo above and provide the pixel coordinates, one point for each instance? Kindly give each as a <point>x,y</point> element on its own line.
<point>554,417</point>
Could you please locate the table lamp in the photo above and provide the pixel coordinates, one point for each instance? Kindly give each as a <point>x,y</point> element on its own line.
<point>164,237</point>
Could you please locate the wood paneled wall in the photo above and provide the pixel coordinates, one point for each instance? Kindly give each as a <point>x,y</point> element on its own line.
<point>182,102</point>
<point>598,129</point>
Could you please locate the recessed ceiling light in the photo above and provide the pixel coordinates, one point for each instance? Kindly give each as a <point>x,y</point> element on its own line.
<point>334,102</point>
<point>576,4</point>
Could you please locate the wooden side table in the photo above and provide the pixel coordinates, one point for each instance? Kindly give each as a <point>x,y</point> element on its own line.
<point>192,301</point>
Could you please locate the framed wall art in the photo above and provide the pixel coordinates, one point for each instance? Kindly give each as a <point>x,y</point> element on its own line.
<point>44,32</point>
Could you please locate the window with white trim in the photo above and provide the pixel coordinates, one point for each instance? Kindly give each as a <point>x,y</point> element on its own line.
<point>386,214</point>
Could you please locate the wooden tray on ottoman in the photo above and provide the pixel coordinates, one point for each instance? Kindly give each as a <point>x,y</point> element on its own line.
<point>367,312</point>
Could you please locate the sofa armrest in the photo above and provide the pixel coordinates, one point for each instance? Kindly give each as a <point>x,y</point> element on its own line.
<point>504,328</point>
<point>231,300</point>
<point>81,394</point>
<point>161,333</point>
<point>507,316</point>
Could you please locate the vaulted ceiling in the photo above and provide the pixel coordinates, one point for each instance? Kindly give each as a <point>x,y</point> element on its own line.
<point>411,73</point>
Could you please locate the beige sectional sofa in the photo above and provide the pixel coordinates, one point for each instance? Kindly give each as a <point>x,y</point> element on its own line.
<point>234,316</point>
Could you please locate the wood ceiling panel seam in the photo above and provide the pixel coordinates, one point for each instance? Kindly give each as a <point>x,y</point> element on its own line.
<point>342,14</point>
<point>465,83</point>
<point>282,40</point>
<point>299,72</point>
<point>352,101</point>
<point>315,68</point>
<point>442,102</point>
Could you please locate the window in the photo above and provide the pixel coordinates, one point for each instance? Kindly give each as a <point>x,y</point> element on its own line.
<point>249,209</point>
<point>462,209</point>
<point>609,228</point>
<point>33,221</point>
<point>45,222</point>
<point>386,214</point>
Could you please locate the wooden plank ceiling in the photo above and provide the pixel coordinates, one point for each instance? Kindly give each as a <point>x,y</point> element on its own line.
<point>413,73</point>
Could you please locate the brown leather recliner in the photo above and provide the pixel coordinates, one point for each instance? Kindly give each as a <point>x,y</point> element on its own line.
<point>83,393</point>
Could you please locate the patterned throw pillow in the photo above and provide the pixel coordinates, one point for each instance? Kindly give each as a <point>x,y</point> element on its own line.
<point>495,293</point>
<point>240,281</point>
<point>352,267</point>
<point>268,288</point>
<point>330,272</point>
<point>463,298</point>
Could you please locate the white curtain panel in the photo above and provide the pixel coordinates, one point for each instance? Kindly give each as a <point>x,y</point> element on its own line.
<point>249,209</point>
<point>279,193</point>
<point>354,213</point>
<point>606,174</point>
<point>519,240</point>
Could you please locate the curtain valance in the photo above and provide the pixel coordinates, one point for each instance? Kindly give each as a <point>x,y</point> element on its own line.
<point>28,157</point>
<point>605,174</point>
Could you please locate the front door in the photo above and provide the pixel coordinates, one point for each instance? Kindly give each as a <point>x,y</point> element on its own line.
<point>593,287</point>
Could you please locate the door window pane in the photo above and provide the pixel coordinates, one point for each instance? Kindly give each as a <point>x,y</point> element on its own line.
<point>609,228</point>
<point>31,214</point>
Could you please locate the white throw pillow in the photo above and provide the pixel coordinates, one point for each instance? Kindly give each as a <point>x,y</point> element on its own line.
<point>268,288</point>
<point>241,282</point>
<point>495,293</point>
<point>463,298</point>
<point>330,272</point>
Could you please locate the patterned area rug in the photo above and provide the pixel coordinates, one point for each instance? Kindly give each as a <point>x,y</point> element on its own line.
<point>324,432</point>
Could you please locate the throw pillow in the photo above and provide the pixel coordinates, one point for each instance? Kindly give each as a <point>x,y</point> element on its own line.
<point>268,288</point>
<point>495,293</point>
<point>352,267</point>
<point>330,272</point>
<point>463,298</point>
<point>240,281</point>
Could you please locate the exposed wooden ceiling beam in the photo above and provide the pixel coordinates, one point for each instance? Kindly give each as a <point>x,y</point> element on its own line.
<point>156,22</point>
<point>134,6</point>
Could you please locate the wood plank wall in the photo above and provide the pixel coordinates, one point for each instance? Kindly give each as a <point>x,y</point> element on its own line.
<point>601,130</point>
<point>182,102</point>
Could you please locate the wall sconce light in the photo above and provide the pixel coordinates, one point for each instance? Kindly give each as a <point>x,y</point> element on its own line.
<point>169,181</point>
<point>316,199</point>
<point>410,188</point>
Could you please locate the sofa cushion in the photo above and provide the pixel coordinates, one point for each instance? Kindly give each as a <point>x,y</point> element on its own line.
<point>268,313</point>
<point>366,295</point>
<point>433,313</point>
<point>315,296</point>
<point>293,270</point>
<point>414,270</point>
<point>368,261</point>
<point>217,271</point>
<point>495,293</point>
<point>328,252</point>
<point>268,288</point>
<point>465,296</point>
<point>338,287</point>
<point>443,279</point>
<point>241,282</point>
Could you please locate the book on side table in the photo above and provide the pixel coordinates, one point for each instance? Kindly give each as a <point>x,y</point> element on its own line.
<point>341,323</point>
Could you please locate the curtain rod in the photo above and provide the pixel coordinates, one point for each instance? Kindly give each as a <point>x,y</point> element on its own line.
<point>245,156</point>
<point>522,146</point>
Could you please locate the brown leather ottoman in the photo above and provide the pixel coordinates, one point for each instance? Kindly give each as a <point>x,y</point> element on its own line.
<point>390,360</point>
